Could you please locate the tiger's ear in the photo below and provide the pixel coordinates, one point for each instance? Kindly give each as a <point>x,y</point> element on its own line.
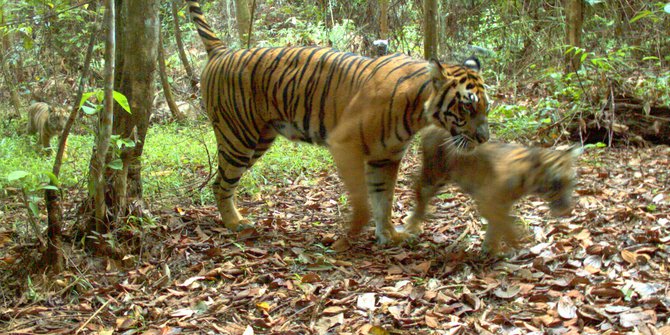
<point>473,63</point>
<point>436,73</point>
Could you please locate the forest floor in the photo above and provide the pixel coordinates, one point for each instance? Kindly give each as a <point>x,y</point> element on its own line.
<point>604,270</point>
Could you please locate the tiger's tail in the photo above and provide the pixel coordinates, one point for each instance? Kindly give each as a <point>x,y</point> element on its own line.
<point>209,39</point>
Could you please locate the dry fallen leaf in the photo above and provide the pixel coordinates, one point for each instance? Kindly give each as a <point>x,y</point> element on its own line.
<point>190,281</point>
<point>566,308</point>
<point>264,306</point>
<point>311,277</point>
<point>366,301</point>
<point>629,320</point>
<point>125,323</point>
<point>431,321</point>
<point>183,312</point>
<point>629,256</point>
<point>601,270</point>
<point>507,293</point>
<point>646,290</point>
<point>376,330</point>
<point>607,292</point>
<point>396,311</point>
<point>332,310</point>
<point>324,324</point>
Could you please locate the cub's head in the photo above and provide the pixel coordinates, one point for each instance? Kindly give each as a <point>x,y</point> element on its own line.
<point>458,102</point>
<point>556,179</point>
<point>57,118</point>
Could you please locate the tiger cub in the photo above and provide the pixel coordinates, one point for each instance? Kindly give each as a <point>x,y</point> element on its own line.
<point>496,175</point>
<point>46,121</point>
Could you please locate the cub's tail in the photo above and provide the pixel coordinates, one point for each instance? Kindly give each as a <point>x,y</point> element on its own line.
<point>209,39</point>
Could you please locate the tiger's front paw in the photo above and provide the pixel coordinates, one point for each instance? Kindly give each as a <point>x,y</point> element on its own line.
<point>392,236</point>
<point>413,225</point>
<point>239,225</point>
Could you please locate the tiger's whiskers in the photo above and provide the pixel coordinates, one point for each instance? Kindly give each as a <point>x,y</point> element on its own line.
<point>456,144</point>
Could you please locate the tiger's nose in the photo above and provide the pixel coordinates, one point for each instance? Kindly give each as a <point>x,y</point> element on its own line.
<point>482,133</point>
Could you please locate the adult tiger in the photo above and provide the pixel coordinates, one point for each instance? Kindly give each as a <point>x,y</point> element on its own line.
<point>365,111</point>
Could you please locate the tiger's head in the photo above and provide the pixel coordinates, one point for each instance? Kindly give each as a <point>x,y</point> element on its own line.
<point>458,102</point>
<point>57,118</point>
<point>556,178</point>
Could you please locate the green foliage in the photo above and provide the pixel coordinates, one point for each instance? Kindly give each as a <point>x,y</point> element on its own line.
<point>285,162</point>
<point>41,32</point>
<point>176,162</point>
<point>92,108</point>
<point>295,31</point>
<point>655,13</point>
<point>570,94</point>
<point>512,122</point>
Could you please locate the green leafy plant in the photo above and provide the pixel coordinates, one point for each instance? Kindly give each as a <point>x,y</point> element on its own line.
<point>30,185</point>
<point>117,142</point>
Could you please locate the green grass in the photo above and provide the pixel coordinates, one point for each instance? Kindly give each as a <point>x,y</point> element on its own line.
<point>177,159</point>
<point>19,152</point>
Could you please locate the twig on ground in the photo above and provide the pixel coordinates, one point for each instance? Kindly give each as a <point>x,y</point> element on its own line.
<point>92,316</point>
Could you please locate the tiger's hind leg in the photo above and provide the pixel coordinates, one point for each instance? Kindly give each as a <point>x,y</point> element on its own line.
<point>381,179</point>
<point>267,137</point>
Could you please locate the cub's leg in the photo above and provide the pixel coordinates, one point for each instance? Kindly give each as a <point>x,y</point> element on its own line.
<point>500,228</point>
<point>424,194</point>
<point>45,139</point>
<point>434,173</point>
<point>32,126</point>
<point>350,164</point>
<point>381,178</point>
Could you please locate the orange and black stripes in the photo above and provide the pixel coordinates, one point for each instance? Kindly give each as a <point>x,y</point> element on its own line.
<point>362,109</point>
<point>309,88</point>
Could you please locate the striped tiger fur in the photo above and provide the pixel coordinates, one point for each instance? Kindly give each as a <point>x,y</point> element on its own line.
<point>365,111</point>
<point>496,175</point>
<point>46,121</point>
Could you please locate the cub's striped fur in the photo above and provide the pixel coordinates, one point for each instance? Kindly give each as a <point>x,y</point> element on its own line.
<point>365,111</point>
<point>496,175</point>
<point>46,121</point>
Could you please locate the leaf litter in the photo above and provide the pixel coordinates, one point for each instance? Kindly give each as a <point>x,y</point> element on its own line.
<point>604,270</point>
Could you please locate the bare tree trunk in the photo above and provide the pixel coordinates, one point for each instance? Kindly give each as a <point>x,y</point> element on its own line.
<point>574,19</point>
<point>243,20</point>
<point>53,255</point>
<point>140,43</point>
<point>5,69</point>
<point>430,29</point>
<point>384,19</point>
<point>167,90</point>
<point>180,47</point>
<point>11,85</point>
<point>105,121</point>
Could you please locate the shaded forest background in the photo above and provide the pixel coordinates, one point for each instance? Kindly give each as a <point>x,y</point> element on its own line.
<point>621,51</point>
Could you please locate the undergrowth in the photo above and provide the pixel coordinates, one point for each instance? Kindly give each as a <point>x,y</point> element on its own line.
<point>178,162</point>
